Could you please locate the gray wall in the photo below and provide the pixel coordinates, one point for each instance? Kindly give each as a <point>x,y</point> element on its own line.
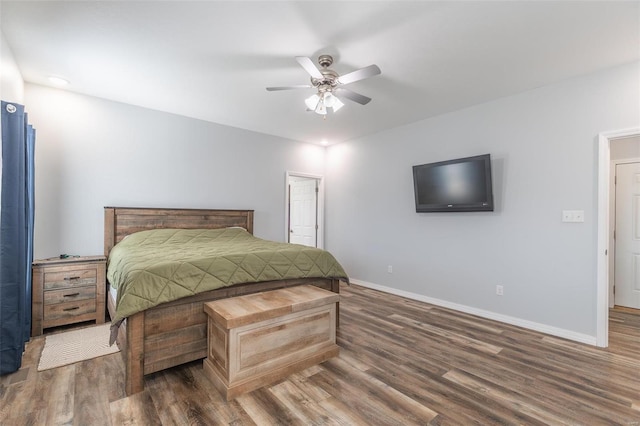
<point>92,153</point>
<point>543,145</point>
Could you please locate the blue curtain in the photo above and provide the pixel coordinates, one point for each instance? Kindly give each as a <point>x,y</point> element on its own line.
<point>16,235</point>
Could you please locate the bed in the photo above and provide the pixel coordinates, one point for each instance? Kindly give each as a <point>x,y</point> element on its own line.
<point>175,332</point>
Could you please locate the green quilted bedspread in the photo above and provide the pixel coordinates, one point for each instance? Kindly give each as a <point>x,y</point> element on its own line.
<point>157,266</point>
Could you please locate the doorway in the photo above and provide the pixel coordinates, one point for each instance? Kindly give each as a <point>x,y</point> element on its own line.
<point>304,209</point>
<point>605,238</point>
<point>624,263</point>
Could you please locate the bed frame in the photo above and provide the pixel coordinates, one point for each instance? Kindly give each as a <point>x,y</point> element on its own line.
<point>174,333</point>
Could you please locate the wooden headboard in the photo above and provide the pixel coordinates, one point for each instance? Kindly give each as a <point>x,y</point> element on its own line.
<point>122,221</point>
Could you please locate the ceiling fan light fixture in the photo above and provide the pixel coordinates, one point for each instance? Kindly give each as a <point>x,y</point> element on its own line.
<point>321,108</point>
<point>331,101</point>
<point>312,102</point>
<point>320,101</point>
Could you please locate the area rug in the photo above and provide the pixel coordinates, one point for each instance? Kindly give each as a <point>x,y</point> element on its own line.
<point>75,346</point>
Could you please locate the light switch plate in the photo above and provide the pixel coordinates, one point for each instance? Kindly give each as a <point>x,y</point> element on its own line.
<point>574,216</point>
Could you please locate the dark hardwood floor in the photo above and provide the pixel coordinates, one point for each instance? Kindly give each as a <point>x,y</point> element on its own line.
<point>402,362</point>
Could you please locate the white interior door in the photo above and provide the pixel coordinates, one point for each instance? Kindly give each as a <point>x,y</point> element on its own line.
<point>303,203</point>
<point>627,234</point>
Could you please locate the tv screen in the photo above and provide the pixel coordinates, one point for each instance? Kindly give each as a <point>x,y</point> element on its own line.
<point>461,185</point>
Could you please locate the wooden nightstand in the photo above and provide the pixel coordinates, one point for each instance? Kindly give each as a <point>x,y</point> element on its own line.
<point>66,291</point>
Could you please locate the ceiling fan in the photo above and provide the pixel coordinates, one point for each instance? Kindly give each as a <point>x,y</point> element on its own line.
<point>328,84</point>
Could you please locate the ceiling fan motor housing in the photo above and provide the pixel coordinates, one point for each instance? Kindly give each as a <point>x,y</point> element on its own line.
<point>330,80</point>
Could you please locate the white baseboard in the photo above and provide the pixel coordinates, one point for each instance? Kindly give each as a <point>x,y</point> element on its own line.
<point>542,328</point>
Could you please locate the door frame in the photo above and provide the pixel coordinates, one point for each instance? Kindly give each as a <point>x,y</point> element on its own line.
<point>319,205</point>
<point>613,218</point>
<point>602,268</point>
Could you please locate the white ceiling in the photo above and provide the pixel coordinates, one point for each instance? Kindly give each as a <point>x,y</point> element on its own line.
<point>212,60</point>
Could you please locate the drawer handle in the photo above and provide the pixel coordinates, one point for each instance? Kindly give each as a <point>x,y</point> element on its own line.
<point>71,278</point>
<point>71,309</point>
<point>71,295</point>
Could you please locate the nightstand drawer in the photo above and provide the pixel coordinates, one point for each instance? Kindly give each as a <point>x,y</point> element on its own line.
<point>69,309</point>
<point>66,278</point>
<point>69,295</point>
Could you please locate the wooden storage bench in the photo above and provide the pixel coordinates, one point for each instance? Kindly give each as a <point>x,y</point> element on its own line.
<point>258,339</point>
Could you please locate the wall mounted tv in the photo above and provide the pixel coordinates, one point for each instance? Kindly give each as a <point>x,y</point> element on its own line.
<point>460,185</point>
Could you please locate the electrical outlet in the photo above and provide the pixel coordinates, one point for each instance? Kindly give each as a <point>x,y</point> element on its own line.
<point>390,269</point>
<point>499,290</point>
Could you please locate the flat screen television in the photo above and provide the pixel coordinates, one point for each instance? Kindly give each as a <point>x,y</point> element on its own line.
<point>460,185</point>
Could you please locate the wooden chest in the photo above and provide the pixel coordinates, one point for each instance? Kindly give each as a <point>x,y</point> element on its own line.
<point>257,339</point>
<point>67,291</point>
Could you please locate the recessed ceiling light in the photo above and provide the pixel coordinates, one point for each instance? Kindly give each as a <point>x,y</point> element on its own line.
<point>58,81</point>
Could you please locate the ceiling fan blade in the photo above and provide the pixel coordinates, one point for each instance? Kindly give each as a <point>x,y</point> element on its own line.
<point>360,74</point>
<point>300,86</point>
<point>355,97</point>
<point>309,67</point>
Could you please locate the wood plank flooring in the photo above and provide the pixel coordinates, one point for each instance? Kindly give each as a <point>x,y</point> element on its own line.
<point>402,362</point>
